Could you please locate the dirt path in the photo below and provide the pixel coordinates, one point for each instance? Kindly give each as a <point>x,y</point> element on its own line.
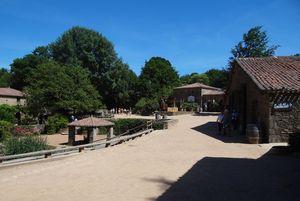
<point>142,169</point>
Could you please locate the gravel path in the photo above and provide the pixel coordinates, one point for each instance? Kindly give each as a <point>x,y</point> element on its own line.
<point>142,169</point>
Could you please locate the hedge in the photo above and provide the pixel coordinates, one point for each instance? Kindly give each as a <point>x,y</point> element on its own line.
<point>5,130</point>
<point>26,144</point>
<point>55,123</point>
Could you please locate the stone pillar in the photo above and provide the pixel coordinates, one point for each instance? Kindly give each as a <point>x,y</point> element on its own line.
<point>95,133</point>
<point>71,140</point>
<point>111,132</point>
<point>90,135</point>
<point>110,135</point>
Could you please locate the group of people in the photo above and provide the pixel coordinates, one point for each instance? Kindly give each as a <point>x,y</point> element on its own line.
<point>121,111</point>
<point>227,122</point>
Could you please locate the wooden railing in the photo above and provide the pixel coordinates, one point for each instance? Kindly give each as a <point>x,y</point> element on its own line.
<point>69,150</point>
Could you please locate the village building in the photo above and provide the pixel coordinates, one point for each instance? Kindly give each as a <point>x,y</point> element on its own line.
<point>265,91</point>
<point>11,97</point>
<point>201,94</point>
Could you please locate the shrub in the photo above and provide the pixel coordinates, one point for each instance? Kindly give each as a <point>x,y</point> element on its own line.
<point>5,130</point>
<point>122,125</point>
<point>158,125</point>
<point>102,131</point>
<point>7,113</point>
<point>146,106</point>
<point>55,123</point>
<point>24,130</point>
<point>215,107</point>
<point>190,106</point>
<point>26,144</point>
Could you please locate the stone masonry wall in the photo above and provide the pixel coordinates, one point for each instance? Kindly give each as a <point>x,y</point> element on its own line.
<point>257,107</point>
<point>283,123</point>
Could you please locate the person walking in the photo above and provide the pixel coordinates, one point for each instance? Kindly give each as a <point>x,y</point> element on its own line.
<point>220,122</point>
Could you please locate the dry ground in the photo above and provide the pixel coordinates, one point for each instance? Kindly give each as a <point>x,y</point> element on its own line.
<point>187,162</point>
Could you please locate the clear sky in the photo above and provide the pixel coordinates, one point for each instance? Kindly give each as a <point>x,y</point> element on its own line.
<point>193,35</point>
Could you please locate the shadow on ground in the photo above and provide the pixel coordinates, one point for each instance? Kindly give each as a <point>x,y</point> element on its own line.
<point>211,129</point>
<point>270,177</point>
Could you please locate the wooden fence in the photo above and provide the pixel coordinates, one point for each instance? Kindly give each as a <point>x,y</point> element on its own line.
<point>143,130</point>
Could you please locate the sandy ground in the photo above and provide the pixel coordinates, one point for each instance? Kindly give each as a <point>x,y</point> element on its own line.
<point>186,162</point>
<point>61,140</point>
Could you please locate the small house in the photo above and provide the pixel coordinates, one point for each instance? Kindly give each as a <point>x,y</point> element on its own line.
<point>11,96</point>
<point>265,91</point>
<point>199,93</point>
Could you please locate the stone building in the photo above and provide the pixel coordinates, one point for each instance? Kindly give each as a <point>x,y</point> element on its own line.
<point>198,93</point>
<point>265,91</point>
<point>11,96</point>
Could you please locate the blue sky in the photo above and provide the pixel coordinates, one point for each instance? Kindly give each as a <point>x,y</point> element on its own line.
<point>193,35</point>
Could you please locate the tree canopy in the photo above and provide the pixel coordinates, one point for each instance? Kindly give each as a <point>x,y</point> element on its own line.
<point>57,88</point>
<point>217,78</point>
<point>86,48</point>
<point>157,79</point>
<point>255,43</point>
<point>193,78</point>
<point>21,69</point>
<point>4,77</point>
<point>121,85</point>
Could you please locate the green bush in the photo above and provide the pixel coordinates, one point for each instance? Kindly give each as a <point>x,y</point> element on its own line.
<point>190,106</point>
<point>215,107</point>
<point>102,131</point>
<point>26,144</point>
<point>146,106</point>
<point>158,125</point>
<point>5,130</point>
<point>55,123</point>
<point>7,113</point>
<point>122,125</point>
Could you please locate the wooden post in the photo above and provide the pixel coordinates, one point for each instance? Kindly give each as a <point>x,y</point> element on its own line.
<point>47,155</point>
<point>81,149</point>
<point>71,140</point>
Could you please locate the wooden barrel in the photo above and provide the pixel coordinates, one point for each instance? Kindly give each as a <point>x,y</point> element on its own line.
<point>252,132</point>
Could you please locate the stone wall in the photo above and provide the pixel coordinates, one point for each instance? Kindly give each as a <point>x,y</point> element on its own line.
<point>283,123</point>
<point>183,94</point>
<point>250,103</point>
<point>12,101</point>
<point>274,125</point>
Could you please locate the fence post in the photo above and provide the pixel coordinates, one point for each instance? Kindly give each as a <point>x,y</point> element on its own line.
<point>47,155</point>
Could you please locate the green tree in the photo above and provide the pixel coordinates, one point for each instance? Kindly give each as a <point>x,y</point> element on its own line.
<point>158,78</point>
<point>4,77</point>
<point>217,78</point>
<point>21,69</point>
<point>255,43</point>
<point>185,79</point>
<point>55,88</point>
<point>120,86</point>
<point>86,48</point>
<point>91,50</point>
<point>201,78</point>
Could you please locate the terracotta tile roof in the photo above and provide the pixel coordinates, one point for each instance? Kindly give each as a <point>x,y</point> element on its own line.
<point>91,122</point>
<point>10,92</point>
<point>273,73</point>
<point>197,85</point>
